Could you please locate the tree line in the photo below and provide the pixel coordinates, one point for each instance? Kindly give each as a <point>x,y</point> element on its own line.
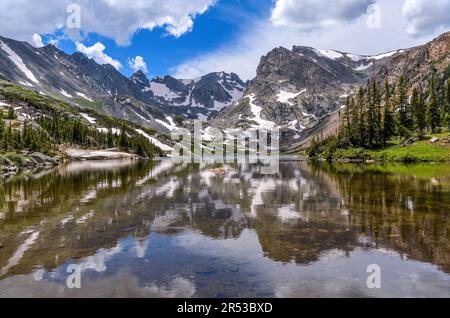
<point>379,113</point>
<point>47,132</point>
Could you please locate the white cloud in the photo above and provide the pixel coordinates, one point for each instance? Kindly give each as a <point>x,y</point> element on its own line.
<point>97,52</point>
<point>242,55</point>
<point>138,63</point>
<point>425,16</point>
<point>117,19</point>
<point>312,14</point>
<point>37,40</point>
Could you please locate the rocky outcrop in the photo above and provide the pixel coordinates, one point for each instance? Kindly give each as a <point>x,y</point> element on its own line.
<point>302,90</point>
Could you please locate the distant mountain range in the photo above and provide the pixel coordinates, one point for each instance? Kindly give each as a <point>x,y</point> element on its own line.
<point>80,80</point>
<point>299,91</point>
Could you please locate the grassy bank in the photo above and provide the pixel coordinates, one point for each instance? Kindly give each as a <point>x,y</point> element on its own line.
<point>419,151</point>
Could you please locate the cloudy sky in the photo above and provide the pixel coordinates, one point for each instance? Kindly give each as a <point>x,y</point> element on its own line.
<point>189,38</point>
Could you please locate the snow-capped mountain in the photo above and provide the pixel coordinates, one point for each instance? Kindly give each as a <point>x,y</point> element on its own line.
<point>79,80</point>
<point>302,90</point>
<point>193,98</point>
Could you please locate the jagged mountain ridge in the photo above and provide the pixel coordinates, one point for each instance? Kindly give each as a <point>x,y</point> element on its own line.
<point>79,80</point>
<point>302,90</point>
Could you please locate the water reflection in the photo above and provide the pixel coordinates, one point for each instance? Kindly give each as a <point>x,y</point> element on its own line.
<point>160,229</point>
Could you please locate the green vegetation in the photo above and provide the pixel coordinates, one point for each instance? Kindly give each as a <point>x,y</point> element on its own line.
<point>383,123</point>
<point>56,123</point>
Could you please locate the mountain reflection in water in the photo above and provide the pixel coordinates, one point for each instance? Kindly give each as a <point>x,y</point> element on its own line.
<point>160,229</point>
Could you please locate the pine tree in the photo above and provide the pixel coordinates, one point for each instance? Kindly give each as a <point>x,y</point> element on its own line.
<point>7,139</point>
<point>447,104</point>
<point>361,120</point>
<point>123,137</point>
<point>110,137</point>
<point>388,117</point>
<point>402,104</point>
<point>347,120</point>
<point>354,119</point>
<point>433,115</point>
<point>370,115</point>
<point>11,113</point>
<point>419,110</point>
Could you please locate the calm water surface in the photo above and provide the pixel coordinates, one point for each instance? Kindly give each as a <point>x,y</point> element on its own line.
<point>158,229</point>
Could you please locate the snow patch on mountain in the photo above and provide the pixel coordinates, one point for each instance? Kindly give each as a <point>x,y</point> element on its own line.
<point>363,67</point>
<point>285,97</point>
<point>382,56</point>
<point>154,141</point>
<point>64,93</point>
<point>171,126</point>
<point>18,62</point>
<point>90,119</point>
<point>84,96</point>
<point>256,110</point>
<point>330,54</point>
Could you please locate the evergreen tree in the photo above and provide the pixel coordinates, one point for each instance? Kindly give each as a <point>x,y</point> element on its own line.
<point>433,115</point>
<point>347,120</point>
<point>7,139</point>
<point>419,111</point>
<point>123,137</point>
<point>404,114</point>
<point>354,119</point>
<point>361,130</point>
<point>370,114</point>
<point>447,104</point>
<point>388,117</point>
<point>11,113</point>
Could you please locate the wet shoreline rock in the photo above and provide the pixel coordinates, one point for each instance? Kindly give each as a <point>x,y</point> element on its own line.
<point>9,167</point>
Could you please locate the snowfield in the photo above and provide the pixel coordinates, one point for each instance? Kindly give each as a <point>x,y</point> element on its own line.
<point>285,97</point>
<point>18,62</point>
<point>256,110</point>
<point>154,141</point>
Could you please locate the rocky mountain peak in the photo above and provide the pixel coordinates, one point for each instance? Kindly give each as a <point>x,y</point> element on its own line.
<point>140,79</point>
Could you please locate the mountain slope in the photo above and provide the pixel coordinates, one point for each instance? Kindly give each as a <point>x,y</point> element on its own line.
<point>83,82</point>
<point>302,90</point>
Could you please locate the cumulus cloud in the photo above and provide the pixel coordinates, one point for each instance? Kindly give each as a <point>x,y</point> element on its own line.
<point>425,16</point>
<point>37,40</point>
<point>138,64</point>
<point>243,54</point>
<point>312,14</point>
<point>117,19</point>
<point>97,52</point>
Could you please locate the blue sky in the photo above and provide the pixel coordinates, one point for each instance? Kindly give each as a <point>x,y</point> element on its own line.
<point>190,38</point>
<point>220,25</point>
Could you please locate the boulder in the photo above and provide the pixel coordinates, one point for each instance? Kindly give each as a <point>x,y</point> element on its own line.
<point>434,140</point>
<point>41,158</point>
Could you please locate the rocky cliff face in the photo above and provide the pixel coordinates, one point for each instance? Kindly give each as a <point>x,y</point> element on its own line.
<point>302,90</point>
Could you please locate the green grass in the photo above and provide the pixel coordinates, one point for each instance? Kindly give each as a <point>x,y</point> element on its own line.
<point>420,151</point>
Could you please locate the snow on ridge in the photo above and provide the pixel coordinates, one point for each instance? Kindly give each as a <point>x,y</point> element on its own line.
<point>26,84</point>
<point>363,67</point>
<point>63,92</point>
<point>18,62</point>
<point>115,131</point>
<point>90,119</point>
<point>171,126</point>
<point>383,55</point>
<point>256,110</point>
<point>154,141</point>
<point>161,90</point>
<point>84,96</point>
<point>355,57</point>
<point>330,54</point>
<point>285,97</point>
